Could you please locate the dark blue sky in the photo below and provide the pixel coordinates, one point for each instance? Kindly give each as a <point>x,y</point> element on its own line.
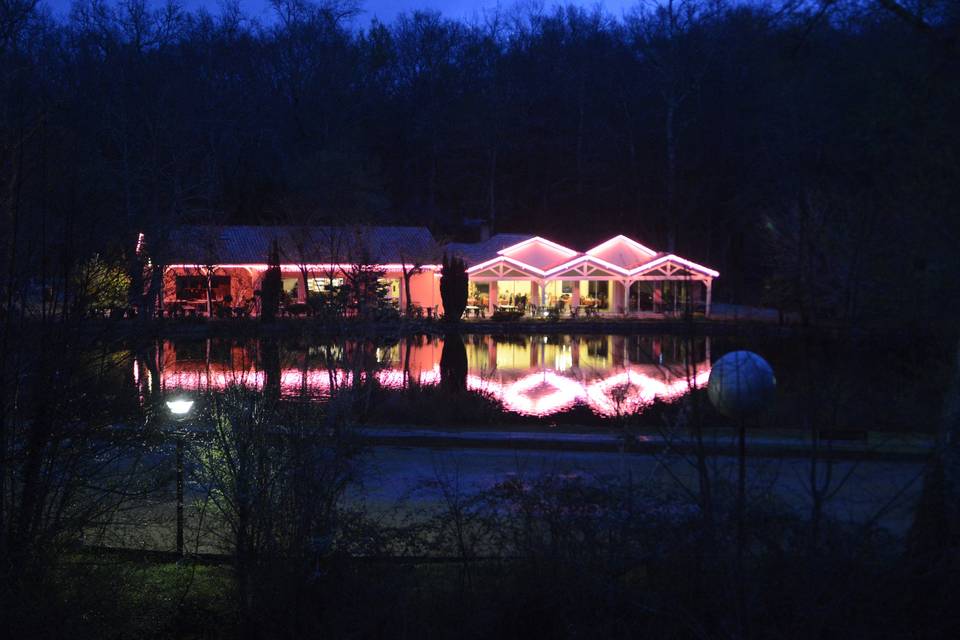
<point>383,9</point>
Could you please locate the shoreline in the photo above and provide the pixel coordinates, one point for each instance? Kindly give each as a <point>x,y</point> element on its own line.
<point>760,443</point>
<point>282,327</point>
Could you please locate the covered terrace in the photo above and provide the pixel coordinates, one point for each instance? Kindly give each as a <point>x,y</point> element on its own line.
<point>618,277</point>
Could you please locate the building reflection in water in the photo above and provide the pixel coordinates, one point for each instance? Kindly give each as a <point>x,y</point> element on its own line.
<point>530,375</point>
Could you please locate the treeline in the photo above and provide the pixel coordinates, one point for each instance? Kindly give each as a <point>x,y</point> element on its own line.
<point>807,150</point>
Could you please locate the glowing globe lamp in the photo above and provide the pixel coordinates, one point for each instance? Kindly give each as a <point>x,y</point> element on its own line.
<point>180,406</point>
<point>741,384</point>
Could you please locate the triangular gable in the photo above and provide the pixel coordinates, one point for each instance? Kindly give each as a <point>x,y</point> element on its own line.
<point>623,252</point>
<point>584,268</point>
<point>503,267</point>
<point>671,265</point>
<point>539,253</point>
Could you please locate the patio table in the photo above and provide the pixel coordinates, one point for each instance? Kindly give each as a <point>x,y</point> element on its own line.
<point>476,310</point>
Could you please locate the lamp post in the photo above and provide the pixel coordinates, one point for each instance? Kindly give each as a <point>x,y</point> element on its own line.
<point>179,408</point>
<point>741,385</point>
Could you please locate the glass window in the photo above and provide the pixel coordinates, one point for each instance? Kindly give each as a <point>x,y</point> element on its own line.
<point>392,286</point>
<point>316,285</point>
<point>479,294</point>
<point>195,287</point>
<point>290,285</point>
<point>598,294</point>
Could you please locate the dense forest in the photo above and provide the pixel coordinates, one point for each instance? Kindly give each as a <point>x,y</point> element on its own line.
<point>809,150</point>
<point>806,149</point>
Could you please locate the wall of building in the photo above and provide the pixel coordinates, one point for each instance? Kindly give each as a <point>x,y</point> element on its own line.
<point>425,290</point>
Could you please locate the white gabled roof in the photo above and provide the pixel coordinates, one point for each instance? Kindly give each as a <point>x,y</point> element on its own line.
<point>539,253</point>
<point>623,252</point>
<point>619,255</point>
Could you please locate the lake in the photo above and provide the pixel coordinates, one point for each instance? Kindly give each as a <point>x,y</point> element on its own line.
<point>555,379</point>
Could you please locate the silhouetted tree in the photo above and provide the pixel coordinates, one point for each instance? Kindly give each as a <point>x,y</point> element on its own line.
<point>453,363</point>
<point>454,284</point>
<point>271,286</point>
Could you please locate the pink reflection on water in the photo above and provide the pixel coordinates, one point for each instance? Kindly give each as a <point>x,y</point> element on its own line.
<point>526,377</point>
<point>614,394</point>
<point>316,382</point>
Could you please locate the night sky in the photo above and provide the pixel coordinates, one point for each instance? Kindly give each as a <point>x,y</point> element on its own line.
<point>385,10</point>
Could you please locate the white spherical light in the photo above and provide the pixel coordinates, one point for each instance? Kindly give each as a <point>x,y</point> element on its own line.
<point>741,384</point>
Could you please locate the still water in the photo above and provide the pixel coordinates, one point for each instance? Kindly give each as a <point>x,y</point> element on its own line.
<point>537,376</point>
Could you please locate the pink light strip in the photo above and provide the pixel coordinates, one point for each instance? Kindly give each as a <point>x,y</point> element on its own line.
<point>595,260</point>
<point>552,245</point>
<point>586,258</point>
<point>671,257</point>
<point>256,266</point>
<point>622,238</point>
<point>516,263</point>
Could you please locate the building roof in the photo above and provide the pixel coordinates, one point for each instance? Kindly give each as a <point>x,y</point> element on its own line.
<point>623,252</point>
<point>198,244</point>
<point>617,257</point>
<point>476,252</point>
<point>539,253</point>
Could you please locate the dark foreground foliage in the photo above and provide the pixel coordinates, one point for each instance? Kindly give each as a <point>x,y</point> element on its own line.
<point>543,557</point>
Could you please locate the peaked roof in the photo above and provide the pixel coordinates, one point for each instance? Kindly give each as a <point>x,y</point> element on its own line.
<point>623,252</point>
<point>618,256</point>
<point>199,244</point>
<point>539,253</point>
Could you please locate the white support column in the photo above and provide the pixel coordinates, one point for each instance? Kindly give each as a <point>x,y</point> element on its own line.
<point>575,297</point>
<point>626,297</point>
<point>492,302</point>
<point>709,284</point>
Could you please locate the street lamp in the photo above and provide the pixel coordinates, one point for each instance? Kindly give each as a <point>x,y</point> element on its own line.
<point>179,409</point>
<point>741,385</point>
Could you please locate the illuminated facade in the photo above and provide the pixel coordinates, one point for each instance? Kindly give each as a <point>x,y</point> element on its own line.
<point>620,276</point>
<point>231,262</point>
<point>522,273</point>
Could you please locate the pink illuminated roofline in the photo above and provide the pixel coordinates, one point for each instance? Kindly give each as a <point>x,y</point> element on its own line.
<point>622,238</point>
<point>258,266</point>
<point>599,261</point>
<point>513,261</point>
<point>671,257</point>
<point>585,258</point>
<point>139,243</point>
<point>548,272</point>
<point>589,257</point>
<point>552,245</point>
